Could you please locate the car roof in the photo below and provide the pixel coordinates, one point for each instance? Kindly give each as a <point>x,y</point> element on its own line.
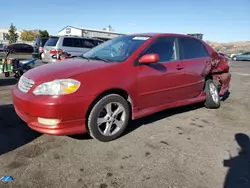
<point>74,36</point>
<point>161,34</point>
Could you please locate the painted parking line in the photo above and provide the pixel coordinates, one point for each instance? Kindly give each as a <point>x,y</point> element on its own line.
<point>241,74</point>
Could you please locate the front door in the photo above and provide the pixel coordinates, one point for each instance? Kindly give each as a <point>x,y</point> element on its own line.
<point>162,82</point>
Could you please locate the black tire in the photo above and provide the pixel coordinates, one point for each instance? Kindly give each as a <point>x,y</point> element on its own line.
<point>94,113</point>
<point>210,102</point>
<point>7,74</point>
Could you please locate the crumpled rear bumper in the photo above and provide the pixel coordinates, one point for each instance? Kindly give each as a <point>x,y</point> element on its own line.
<point>223,80</point>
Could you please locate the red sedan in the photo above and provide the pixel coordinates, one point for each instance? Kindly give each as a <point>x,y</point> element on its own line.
<point>125,78</point>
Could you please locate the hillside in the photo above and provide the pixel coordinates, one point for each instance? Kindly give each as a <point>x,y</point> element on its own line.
<point>231,47</point>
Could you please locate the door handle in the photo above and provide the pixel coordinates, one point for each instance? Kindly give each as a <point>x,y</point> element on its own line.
<point>179,67</point>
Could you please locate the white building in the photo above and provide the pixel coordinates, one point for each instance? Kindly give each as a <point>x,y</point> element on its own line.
<point>4,32</point>
<point>105,34</point>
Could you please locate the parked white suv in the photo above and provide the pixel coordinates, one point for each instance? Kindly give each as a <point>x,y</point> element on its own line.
<point>73,45</point>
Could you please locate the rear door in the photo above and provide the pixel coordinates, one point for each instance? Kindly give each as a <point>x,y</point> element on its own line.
<point>195,57</point>
<point>17,48</point>
<point>72,46</point>
<point>245,56</point>
<point>162,82</point>
<point>27,48</point>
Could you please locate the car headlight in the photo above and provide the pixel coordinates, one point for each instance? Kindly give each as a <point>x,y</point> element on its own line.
<point>57,87</point>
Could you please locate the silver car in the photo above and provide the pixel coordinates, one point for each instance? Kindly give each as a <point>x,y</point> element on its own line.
<point>73,45</point>
<point>242,57</point>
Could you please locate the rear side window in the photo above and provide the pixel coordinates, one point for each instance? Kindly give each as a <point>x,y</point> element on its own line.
<point>192,48</point>
<point>52,41</point>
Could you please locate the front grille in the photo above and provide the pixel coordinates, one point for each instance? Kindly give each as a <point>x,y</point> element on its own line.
<point>25,84</point>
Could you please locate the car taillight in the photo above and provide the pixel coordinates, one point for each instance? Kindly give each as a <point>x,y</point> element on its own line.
<point>41,49</point>
<point>55,51</point>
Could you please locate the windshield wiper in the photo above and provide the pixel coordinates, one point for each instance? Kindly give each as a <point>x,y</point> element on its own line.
<point>83,57</point>
<point>98,58</point>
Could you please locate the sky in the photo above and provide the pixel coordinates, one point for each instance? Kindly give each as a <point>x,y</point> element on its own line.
<point>218,20</point>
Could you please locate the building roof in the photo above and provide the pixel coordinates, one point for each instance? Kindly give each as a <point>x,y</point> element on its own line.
<point>89,29</point>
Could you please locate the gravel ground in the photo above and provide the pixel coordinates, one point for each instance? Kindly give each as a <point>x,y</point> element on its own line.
<point>188,147</point>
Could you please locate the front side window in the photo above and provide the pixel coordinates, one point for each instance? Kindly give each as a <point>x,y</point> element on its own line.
<point>117,49</point>
<point>246,53</point>
<point>192,48</point>
<point>165,47</point>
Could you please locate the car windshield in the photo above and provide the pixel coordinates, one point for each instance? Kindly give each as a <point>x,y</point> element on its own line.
<point>117,49</point>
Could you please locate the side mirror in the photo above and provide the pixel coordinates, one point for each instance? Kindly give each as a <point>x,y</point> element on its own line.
<point>149,58</point>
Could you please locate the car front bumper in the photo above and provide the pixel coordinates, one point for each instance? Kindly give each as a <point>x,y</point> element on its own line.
<point>49,60</point>
<point>69,111</point>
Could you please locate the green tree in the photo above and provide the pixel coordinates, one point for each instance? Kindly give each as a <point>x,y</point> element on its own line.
<point>12,36</point>
<point>29,35</point>
<point>43,33</point>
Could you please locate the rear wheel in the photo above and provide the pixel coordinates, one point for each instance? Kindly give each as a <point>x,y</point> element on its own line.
<point>108,118</point>
<point>212,95</point>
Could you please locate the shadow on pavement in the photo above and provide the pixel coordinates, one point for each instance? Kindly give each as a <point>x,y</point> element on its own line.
<point>226,96</point>
<point>133,125</point>
<point>238,175</point>
<point>8,81</point>
<point>81,137</point>
<point>161,115</point>
<point>14,132</point>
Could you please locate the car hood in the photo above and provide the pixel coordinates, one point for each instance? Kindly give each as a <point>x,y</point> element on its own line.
<point>64,69</point>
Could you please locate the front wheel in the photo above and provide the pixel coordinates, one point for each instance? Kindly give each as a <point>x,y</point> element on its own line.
<point>235,58</point>
<point>108,118</point>
<point>212,95</point>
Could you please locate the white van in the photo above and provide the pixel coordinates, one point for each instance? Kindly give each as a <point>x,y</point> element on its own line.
<point>73,45</point>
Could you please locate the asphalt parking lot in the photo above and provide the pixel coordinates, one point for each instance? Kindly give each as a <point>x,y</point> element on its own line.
<point>188,147</point>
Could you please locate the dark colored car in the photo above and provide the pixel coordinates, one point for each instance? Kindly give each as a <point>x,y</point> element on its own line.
<point>38,47</point>
<point>19,48</point>
<point>125,78</point>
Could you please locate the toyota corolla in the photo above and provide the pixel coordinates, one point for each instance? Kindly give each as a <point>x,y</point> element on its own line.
<point>125,78</point>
